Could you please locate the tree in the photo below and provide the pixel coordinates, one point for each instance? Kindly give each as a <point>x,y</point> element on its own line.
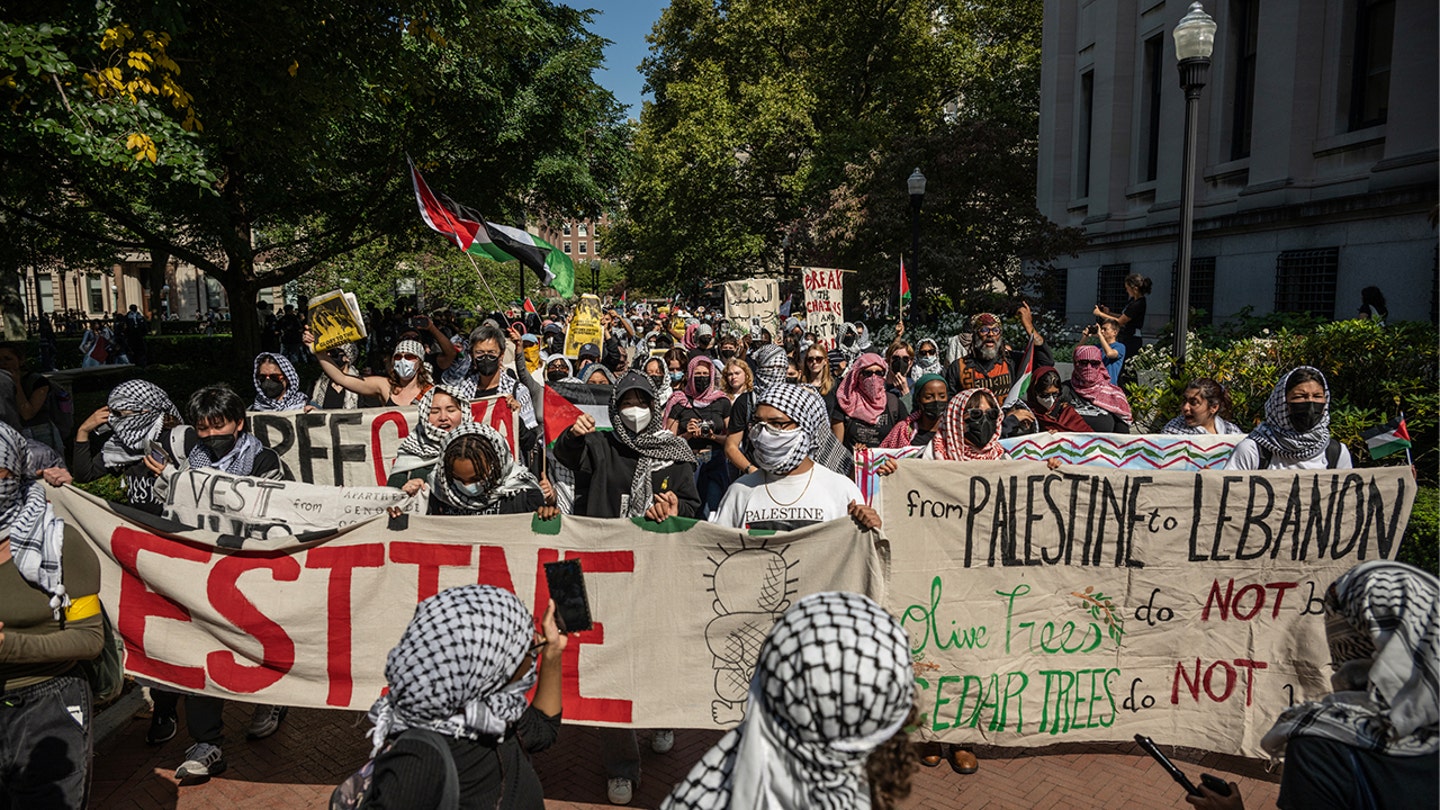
<point>300,115</point>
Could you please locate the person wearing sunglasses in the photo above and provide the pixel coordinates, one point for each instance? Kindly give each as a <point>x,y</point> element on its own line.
<point>900,359</point>
<point>927,358</point>
<point>864,412</point>
<point>816,371</point>
<point>1101,403</point>
<point>277,386</point>
<point>330,395</point>
<point>991,363</point>
<point>1106,335</point>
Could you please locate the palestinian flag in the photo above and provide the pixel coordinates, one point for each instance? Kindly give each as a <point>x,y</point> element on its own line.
<point>529,307</point>
<point>565,401</point>
<point>904,285</point>
<point>1022,383</point>
<point>472,234</point>
<point>1387,439</point>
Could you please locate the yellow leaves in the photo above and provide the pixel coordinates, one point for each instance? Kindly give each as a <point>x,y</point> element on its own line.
<point>140,67</point>
<point>143,147</point>
<point>294,68</point>
<point>140,60</point>
<point>116,37</point>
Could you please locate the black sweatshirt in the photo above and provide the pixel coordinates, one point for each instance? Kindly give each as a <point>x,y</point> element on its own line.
<point>604,469</point>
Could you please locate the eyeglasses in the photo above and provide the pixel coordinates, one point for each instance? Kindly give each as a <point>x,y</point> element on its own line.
<point>865,375</point>
<point>976,414</point>
<point>815,359</point>
<point>271,377</point>
<point>775,424</point>
<point>927,354</point>
<point>1088,363</point>
<point>482,355</point>
<point>988,330</point>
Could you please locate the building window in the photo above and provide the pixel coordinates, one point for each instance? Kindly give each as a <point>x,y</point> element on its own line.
<point>565,229</point>
<point>1202,290</point>
<point>45,292</point>
<point>595,246</point>
<point>1247,21</point>
<point>1150,105</point>
<point>1370,83</point>
<point>214,294</point>
<point>1305,281</point>
<point>583,246</point>
<point>95,286</point>
<point>1082,146</point>
<point>1110,288</point>
<point>584,230</point>
<point>565,247</point>
<point>1049,289</point>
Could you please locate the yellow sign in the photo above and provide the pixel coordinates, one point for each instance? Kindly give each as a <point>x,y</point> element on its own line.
<point>584,326</point>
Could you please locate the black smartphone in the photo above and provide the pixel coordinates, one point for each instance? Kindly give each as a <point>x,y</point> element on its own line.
<point>157,452</point>
<point>566,580</point>
<point>1175,773</point>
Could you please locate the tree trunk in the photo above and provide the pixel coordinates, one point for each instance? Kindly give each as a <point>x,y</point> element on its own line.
<point>241,290</point>
<point>155,280</point>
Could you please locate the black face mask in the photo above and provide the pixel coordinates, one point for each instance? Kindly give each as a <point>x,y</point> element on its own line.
<point>1305,415</point>
<point>658,381</point>
<point>487,365</point>
<point>899,365</point>
<point>702,384</point>
<point>979,432</point>
<point>272,388</point>
<point>727,354</point>
<point>703,342</point>
<point>556,376</point>
<point>934,409</point>
<point>219,446</point>
<point>848,340</point>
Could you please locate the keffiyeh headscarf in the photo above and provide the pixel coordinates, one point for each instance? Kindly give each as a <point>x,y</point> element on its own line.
<point>293,399</point>
<point>150,406</point>
<point>591,368</point>
<point>506,476</point>
<point>805,406</point>
<point>1092,383</point>
<point>37,536</point>
<point>925,365</point>
<point>770,367</point>
<point>1381,624</point>
<point>657,446</point>
<point>1178,425</point>
<point>689,396</point>
<point>352,357</point>
<point>949,443</point>
<point>1277,435</point>
<point>833,683</point>
<point>862,397</point>
<point>901,434</point>
<point>427,440</point>
<point>239,461</point>
<point>450,669</point>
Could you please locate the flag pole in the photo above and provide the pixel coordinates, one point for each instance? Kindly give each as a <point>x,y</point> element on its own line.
<point>1408,459</point>
<point>493,296</point>
<point>901,294</point>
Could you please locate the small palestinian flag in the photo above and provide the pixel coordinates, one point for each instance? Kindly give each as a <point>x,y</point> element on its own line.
<point>529,307</point>
<point>1387,439</point>
<point>1027,376</point>
<point>565,401</point>
<point>904,285</point>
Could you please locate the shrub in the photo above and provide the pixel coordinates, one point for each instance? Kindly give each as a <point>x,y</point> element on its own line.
<point>1421,545</point>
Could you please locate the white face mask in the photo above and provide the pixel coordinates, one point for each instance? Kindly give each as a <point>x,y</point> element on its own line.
<point>404,368</point>
<point>777,451</point>
<point>636,419</point>
<point>472,489</point>
<point>928,361</point>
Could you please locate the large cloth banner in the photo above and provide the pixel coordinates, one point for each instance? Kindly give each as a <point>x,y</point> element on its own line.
<point>357,448</point>
<point>1149,451</point>
<point>824,303</point>
<point>680,608</point>
<point>752,298</point>
<point>1088,605</point>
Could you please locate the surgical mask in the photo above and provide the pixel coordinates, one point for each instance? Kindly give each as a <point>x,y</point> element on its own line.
<point>404,368</point>
<point>272,388</point>
<point>1304,416</point>
<point>636,419</point>
<point>471,489</point>
<point>487,365</point>
<point>979,432</point>
<point>776,451</point>
<point>1047,402</point>
<point>677,376</point>
<point>934,409</point>
<point>928,361</point>
<point>702,384</point>
<point>556,376</point>
<point>219,446</point>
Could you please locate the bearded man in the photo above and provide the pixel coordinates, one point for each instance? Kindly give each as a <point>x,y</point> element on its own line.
<point>991,363</point>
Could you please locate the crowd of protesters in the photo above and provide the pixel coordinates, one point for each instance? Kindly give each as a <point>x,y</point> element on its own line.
<point>747,429</point>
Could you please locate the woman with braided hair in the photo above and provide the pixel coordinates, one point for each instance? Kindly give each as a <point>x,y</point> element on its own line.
<point>477,475</point>
<point>824,726</point>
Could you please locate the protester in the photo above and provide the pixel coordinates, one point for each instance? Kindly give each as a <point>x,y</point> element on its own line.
<point>31,394</point>
<point>728,348</point>
<point>1295,434</point>
<point>114,439</point>
<point>790,489</point>
<point>864,412</point>
<point>792,370</point>
<point>1101,403</point>
<point>277,386</point>
<point>927,358</point>
<point>1131,318</point>
<point>557,369</point>
<point>675,362</point>
<point>1045,409</point>
<point>439,412</point>
<point>816,373</point>
<point>991,363</point>
<point>459,675</point>
<point>769,364</point>
<point>588,353</point>
<point>932,397</point>
<point>478,475</point>
<point>94,348</point>
<point>825,722</point>
<point>656,371</point>
<point>969,430</point>
<point>1373,742</point>
<point>854,341</point>
<point>483,375</point>
<point>50,619</point>
<point>700,414</point>
<point>899,362</point>
<point>1106,335</point>
<point>1372,306</point>
<point>330,395</point>
<point>406,383</point>
<point>1203,410</point>
<point>597,374</point>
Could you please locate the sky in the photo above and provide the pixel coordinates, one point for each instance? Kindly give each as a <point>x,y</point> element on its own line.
<point>625,23</point>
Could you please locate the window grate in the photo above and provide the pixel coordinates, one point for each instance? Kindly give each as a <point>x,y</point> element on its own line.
<point>1202,290</point>
<point>1110,288</point>
<point>1305,281</point>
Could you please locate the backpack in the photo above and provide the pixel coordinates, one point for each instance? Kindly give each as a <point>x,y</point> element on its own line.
<point>1332,455</point>
<point>106,671</point>
<point>351,793</point>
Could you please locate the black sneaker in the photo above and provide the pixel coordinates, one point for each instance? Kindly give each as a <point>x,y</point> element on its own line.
<point>162,729</point>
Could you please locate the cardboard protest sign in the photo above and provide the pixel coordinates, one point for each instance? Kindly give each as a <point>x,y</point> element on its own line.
<point>824,303</point>
<point>752,298</point>
<point>680,608</point>
<point>1088,605</point>
<point>585,326</point>
<point>335,319</point>
<point>260,508</point>
<point>357,447</point>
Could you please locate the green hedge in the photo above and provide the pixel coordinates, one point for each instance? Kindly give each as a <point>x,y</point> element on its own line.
<point>1421,546</point>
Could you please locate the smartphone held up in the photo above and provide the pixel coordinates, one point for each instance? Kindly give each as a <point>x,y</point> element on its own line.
<point>566,580</point>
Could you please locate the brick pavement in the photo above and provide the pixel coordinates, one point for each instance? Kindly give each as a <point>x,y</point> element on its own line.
<point>315,749</point>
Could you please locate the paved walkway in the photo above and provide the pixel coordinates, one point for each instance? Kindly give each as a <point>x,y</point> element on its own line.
<point>316,749</point>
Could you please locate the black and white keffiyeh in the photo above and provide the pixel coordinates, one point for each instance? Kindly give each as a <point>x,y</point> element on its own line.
<point>425,440</point>
<point>239,461</point>
<point>352,358</point>
<point>1381,623</point>
<point>805,405</point>
<point>833,683</point>
<point>148,406</point>
<point>1277,435</point>
<point>37,536</point>
<point>1179,427</point>
<point>507,476</point>
<point>293,399</point>
<point>770,367</point>
<point>505,386</point>
<point>449,671</point>
<point>657,446</point>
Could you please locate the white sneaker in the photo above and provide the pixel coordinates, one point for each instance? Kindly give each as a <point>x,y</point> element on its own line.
<point>202,760</point>
<point>662,742</point>
<point>620,791</point>
<point>265,721</point>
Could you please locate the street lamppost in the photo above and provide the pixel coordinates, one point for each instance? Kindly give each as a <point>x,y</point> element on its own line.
<point>917,198</point>
<point>1194,42</point>
<point>595,276</point>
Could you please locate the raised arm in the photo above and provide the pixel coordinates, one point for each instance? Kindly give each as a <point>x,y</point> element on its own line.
<point>378,387</point>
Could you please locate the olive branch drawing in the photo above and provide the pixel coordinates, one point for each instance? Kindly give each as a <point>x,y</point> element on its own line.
<point>1102,608</point>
